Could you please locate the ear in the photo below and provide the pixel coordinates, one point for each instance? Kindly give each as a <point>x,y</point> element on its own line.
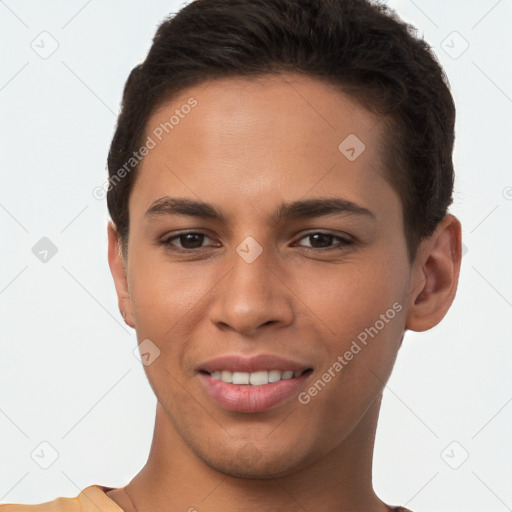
<point>435,276</point>
<point>118,269</point>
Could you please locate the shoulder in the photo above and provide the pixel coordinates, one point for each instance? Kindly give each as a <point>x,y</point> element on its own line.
<point>90,499</point>
<point>57,505</point>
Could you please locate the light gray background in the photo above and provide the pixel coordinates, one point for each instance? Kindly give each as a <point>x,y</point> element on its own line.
<point>68,376</point>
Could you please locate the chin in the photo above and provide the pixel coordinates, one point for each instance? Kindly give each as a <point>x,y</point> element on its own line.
<point>248,462</point>
<point>259,471</point>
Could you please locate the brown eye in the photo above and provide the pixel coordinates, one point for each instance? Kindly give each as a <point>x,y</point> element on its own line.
<point>324,241</point>
<point>186,241</point>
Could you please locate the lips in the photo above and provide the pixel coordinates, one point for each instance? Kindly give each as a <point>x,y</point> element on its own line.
<point>252,384</point>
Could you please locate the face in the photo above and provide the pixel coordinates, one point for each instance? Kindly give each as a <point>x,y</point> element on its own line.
<point>285,251</point>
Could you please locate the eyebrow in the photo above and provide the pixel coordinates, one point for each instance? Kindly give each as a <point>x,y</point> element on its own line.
<point>317,207</point>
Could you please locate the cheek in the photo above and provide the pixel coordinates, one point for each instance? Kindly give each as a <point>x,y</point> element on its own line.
<point>169,304</point>
<point>352,296</point>
<point>163,293</point>
<point>360,358</point>
<point>377,319</point>
<point>363,317</point>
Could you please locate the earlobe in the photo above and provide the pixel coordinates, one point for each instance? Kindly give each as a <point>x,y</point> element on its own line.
<point>435,276</point>
<point>118,270</point>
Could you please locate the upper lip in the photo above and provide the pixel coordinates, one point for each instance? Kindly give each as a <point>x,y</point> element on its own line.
<point>260,362</point>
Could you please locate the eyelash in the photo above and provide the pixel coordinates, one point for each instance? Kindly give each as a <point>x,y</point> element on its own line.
<point>344,242</point>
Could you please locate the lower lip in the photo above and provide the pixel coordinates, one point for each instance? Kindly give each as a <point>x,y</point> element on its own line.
<point>248,398</point>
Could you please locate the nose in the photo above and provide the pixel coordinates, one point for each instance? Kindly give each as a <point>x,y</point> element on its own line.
<point>251,296</point>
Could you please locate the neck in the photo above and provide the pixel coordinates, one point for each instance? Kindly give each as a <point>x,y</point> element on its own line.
<point>175,476</point>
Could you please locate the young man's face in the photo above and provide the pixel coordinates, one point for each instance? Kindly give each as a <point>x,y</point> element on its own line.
<point>326,293</point>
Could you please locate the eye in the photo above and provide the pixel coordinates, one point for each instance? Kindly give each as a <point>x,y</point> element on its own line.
<point>323,241</point>
<point>188,241</point>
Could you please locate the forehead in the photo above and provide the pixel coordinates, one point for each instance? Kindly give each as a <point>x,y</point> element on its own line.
<point>259,140</point>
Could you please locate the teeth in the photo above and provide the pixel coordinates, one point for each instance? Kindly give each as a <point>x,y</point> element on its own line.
<point>255,378</point>
<point>258,378</point>
<point>225,376</point>
<point>241,378</point>
<point>274,375</point>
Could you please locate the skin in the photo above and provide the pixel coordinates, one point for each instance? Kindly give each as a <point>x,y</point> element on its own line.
<point>248,146</point>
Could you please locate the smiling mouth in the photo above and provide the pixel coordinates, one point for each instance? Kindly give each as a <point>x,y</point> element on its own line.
<point>258,378</point>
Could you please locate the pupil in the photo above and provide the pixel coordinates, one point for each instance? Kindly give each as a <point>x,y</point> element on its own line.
<point>318,236</point>
<point>189,237</point>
